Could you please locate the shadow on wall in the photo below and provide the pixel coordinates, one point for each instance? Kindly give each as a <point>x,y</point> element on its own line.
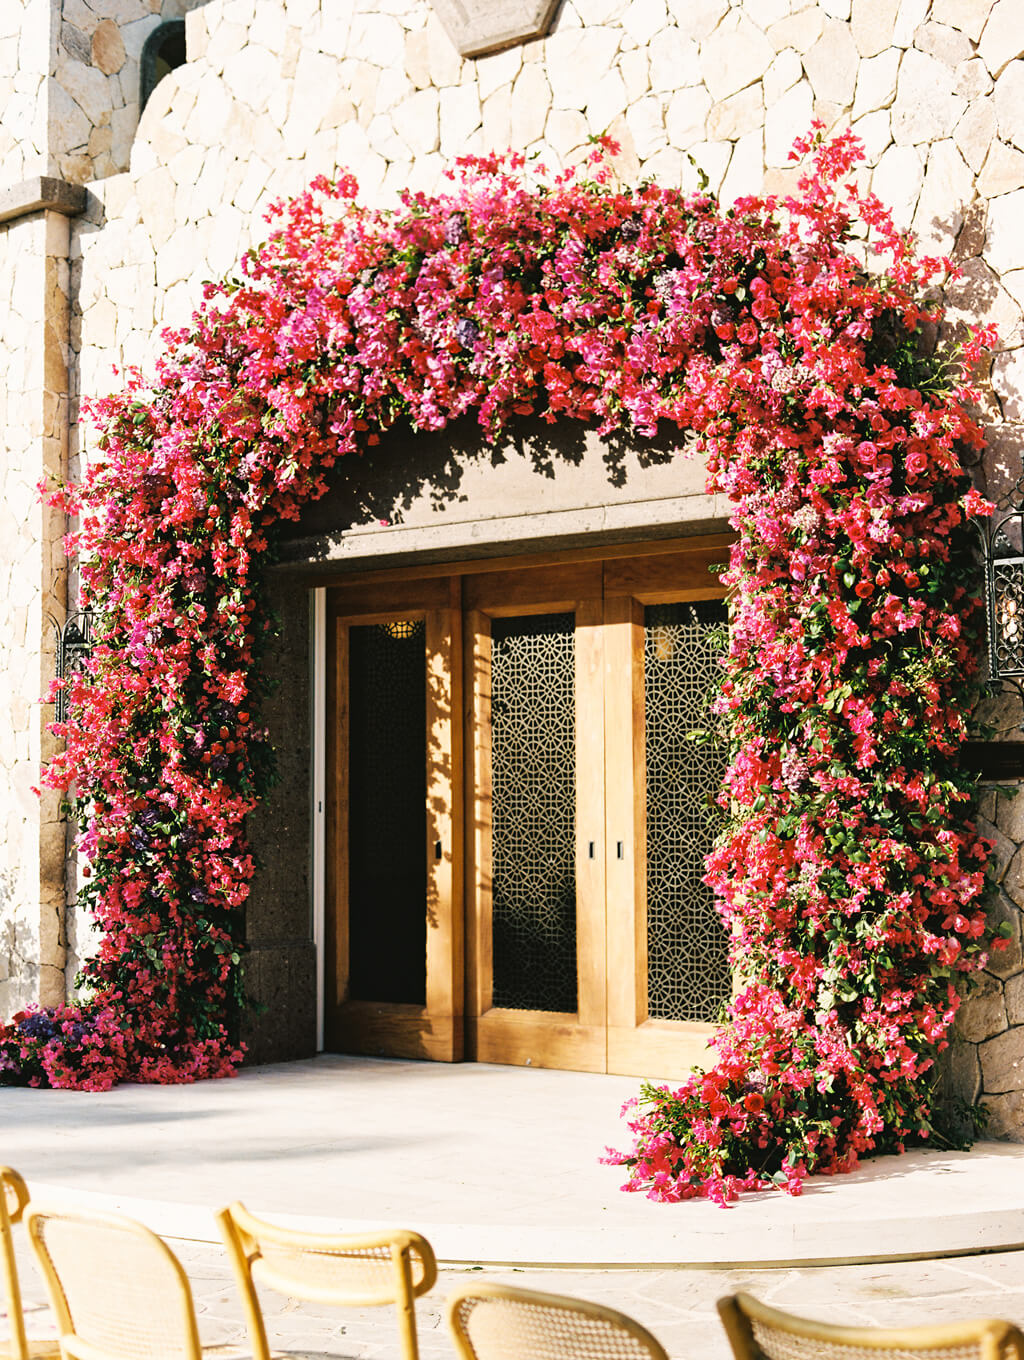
<point>412,472</point>
<point>9,954</point>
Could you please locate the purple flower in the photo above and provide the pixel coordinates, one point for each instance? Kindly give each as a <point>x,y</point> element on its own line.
<point>466,332</point>
<point>455,229</point>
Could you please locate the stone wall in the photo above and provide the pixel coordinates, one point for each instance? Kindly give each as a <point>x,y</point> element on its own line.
<point>70,82</point>
<point>25,48</point>
<point>987,1058</point>
<point>276,91</point>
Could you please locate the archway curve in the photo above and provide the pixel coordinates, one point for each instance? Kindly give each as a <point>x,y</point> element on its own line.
<point>851,874</point>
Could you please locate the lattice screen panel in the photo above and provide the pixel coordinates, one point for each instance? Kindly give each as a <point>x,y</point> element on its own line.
<point>688,973</point>
<point>388,812</point>
<point>533,778</point>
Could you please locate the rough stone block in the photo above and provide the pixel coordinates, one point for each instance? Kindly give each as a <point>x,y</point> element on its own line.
<point>1002,1062</point>
<point>949,45</point>
<point>642,19</point>
<point>636,73</point>
<point>947,190</point>
<point>925,109</point>
<point>686,116</point>
<point>876,82</point>
<point>416,122</point>
<point>607,101</point>
<point>1003,38</point>
<point>962,1071</point>
<point>460,113</point>
<point>831,64</point>
<point>1008,384</point>
<point>488,25</point>
<point>1005,1117</point>
<point>1009,814</point>
<point>734,56</point>
<point>1013,996</point>
<point>746,168</point>
<point>975,131</point>
<point>784,121</point>
<point>1003,913</point>
<point>969,16</point>
<point>674,62</point>
<point>741,113</point>
<point>972,79</point>
<point>698,19</point>
<point>576,61</point>
<point>1003,172</point>
<point>909,17</point>
<point>897,180</point>
<point>875,132</point>
<point>108,47</point>
<point>497,70</point>
<point>982,1012</point>
<point>872,23</point>
<point>1008,98</point>
<point>647,124</point>
<point>781,76</point>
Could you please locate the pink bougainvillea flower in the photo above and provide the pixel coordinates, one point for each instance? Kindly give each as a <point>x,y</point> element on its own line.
<point>849,875</point>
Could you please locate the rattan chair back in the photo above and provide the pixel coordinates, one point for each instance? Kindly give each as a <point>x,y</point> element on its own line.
<point>13,1203</point>
<point>757,1332</point>
<point>497,1322</point>
<point>390,1267</point>
<point>118,1290</point>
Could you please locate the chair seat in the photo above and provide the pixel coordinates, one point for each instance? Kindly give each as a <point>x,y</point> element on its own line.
<point>39,1348</point>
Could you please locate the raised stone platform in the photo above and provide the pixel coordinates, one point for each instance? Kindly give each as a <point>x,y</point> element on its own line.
<point>493,1164</point>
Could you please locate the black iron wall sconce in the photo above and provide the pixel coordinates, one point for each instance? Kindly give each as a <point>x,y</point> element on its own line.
<point>1003,545</point>
<point>74,643</point>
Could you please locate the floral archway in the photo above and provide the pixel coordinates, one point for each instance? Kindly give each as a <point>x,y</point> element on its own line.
<point>849,875</point>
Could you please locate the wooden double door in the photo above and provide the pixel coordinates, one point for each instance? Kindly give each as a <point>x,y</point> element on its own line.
<point>518,812</point>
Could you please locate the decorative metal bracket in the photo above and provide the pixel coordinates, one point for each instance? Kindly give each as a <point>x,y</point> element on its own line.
<point>74,643</point>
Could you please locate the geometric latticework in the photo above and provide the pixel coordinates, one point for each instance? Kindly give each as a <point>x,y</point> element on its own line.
<point>688,975</point>
<point>533,792</point>
<point>387,771</point>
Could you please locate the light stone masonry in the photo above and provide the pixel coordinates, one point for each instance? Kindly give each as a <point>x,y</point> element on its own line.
<point>275,92</point>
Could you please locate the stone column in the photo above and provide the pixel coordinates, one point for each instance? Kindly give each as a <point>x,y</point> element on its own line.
<point>34,353</point>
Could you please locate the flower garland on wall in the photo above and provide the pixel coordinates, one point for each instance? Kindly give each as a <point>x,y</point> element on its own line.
<point>850,875</point>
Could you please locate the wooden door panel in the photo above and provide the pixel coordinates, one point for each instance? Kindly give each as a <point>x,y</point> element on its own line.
<point>660,1050</point>
<point>536,1039</point>
<point>502,1032</point>
<point>355,1022</point>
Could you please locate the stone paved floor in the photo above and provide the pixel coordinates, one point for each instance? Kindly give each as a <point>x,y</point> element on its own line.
<point>678,1305</point>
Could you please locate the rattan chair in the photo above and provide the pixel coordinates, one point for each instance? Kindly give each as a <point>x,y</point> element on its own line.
<point>348,1270</point>
<point>13,1203</point>
<point>497,1322</point>
<point>757,1332</point>
<point>119,1292</point>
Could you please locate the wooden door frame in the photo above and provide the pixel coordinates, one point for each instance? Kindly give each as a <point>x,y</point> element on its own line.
<point>435,1029</point>
<point>632,575</point>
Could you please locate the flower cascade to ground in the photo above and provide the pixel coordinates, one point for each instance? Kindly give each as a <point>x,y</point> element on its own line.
<point>850,875</point>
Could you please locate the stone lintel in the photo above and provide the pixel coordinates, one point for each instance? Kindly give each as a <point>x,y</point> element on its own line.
<point>489,25</point>
<point>41,192</point>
